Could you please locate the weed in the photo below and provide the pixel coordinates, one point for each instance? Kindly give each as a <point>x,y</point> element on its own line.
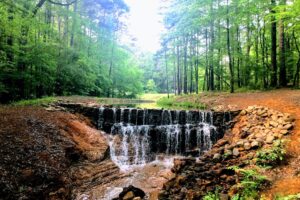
<point>35,102</point>
<point>249,185</point>
<point>271,157</point>
<point>290,197</point>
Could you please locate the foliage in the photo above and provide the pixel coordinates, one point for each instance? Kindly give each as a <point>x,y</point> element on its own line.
<point>249,185</point>
<point>150,86</point>
<point>50,50</point>
<point>172,102</point>
<point>271,157</point>
<point>35,102</point>
<point>212,195</point>
<point>221,45</point>
<point>289,197</point>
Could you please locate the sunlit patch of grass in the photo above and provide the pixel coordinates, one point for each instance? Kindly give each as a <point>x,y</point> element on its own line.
<point>177,103</point>
<point>35,102</point>
<point>153,96</point>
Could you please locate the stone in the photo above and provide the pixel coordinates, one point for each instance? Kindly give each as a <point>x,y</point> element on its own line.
<point>128,196</point>
<point>240,143</point>
<point>254,144</point>
<point>270,139</point>
<point>274,124</point>
<point>284,132</point>
<point>130,192</point>
<point>228,152</point>
<point>287,127</point>
<point>243,112</point>
<point>235,152</point>
<point>217,156</point>
<point>223,196</point>
<point>244,134</point>
<point>247,146</point>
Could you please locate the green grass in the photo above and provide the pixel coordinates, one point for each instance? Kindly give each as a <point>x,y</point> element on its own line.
<point>290,197</point>
<point>174,103</point>
<point>35,102</point>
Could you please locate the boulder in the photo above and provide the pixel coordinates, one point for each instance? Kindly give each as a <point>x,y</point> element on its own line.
<point>131,192</point>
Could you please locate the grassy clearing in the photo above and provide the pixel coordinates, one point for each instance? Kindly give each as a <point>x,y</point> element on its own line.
<point>35,102</point>
<point>179,103</point>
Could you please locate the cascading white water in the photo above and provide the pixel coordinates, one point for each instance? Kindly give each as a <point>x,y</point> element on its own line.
<point>132,144</point>
<point>129,145</point>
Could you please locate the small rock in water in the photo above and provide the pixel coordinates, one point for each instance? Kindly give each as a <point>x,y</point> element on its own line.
<point>128,196</point>
<point>131,192</point>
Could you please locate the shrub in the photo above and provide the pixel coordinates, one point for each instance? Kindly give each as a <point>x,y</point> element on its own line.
<point>271,157</point>
<point>249,185</point>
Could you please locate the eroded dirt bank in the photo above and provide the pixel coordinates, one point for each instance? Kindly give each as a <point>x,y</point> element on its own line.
<point>51,155</point>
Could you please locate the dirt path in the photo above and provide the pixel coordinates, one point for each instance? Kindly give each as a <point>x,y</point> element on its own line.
<point>285,179</point>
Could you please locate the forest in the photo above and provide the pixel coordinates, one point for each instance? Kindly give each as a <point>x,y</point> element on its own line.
<point>63,48</point>
<point>74,47</point>
<point>217,45</point>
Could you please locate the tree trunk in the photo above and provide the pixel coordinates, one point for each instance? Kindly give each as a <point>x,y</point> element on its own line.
<point>185,81</point>
<point>229,52</point>
<point>282,55</point>
<point>273,47</point>
<point>178,71</point>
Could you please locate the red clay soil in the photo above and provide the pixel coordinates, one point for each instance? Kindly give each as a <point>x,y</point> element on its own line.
<point>285,179</point>
<point>38,148</point>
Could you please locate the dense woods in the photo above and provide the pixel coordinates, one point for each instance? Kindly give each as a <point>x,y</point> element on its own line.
<point>67,47</point>
<point>230,44</point>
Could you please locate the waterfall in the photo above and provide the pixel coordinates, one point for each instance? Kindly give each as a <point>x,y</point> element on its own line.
<point>136,140</point>
<point>101,118</point>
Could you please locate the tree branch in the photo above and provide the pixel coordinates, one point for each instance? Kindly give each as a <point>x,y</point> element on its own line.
<point>41,3</point>
<point>62,4</point>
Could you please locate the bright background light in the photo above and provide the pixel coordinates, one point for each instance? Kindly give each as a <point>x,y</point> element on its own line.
<point>145,24</point>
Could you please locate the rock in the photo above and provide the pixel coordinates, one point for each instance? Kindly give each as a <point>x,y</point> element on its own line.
<point>217,156</point>
<point>270,139</point>
<point>244,134</point>
<point>274,124</point>
<point>284,132</point>
<point>287,127</point>
<point>128,196</point>
<point>240,143</point>
<point>243,112</point>
<point>247,146</point>
<point>235,152</point>
<point>130,192</point>
<point>255,144</point>
<point>228,152</point>
<point>223,196</point>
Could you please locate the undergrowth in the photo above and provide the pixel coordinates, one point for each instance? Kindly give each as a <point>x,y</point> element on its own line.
<point>271,157</point>
<point>289,197</point>
<point>35,102</point>
<point>172,102</point>
<point>250,184</point>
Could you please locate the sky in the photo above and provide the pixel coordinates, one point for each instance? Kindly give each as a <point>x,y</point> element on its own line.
<point>145,24</point>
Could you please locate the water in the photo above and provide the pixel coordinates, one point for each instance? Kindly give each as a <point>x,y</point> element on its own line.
<point>147,133</point>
